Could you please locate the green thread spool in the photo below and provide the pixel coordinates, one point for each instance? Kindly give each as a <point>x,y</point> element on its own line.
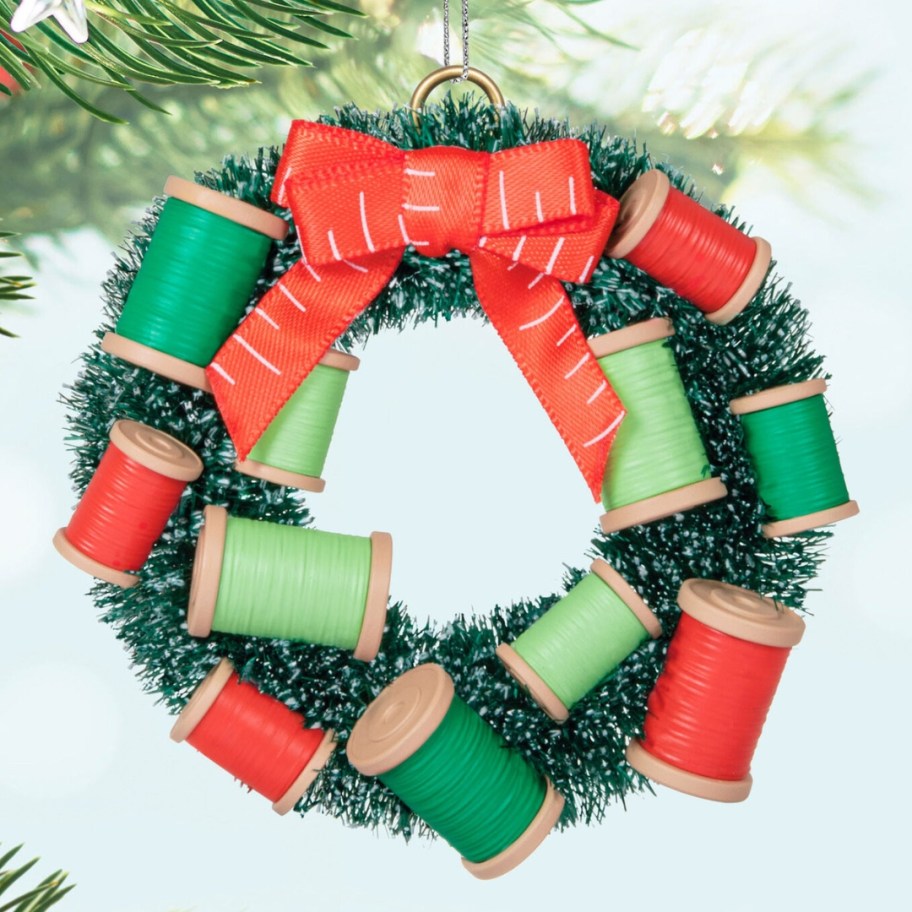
<point>580,640</point>
<point>292,450</point>
<point>658,465</point>
<point>453,770</point>
<point>257,578</point>
<point>196,278</point>
<point>788,435</point>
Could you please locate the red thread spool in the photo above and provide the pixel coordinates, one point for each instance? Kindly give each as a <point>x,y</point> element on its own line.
<point>705,714</point>
<point>255,737</point>
<point>128,502</point>
<point>688,249</point>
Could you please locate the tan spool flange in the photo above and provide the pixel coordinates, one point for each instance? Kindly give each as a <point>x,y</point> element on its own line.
<point>207,571</point>
<point>378,589</point>
<point>529,679</point>
<point>333,358</point>
<point>85,563</point>
<point>201,702</point>
<point>748,288</point>
<point>157,362</point>
<point>400,719</point>
<point>628,595</point>
<point>631,336</point>
<point>740,613</point>
<point>156,450</point>
<point>533,683</point>
<point>532,837</point>
<point>689,783</point>
<point>640,207</point>
<point>279,476</point>
<point>784,527</point>
<point>776,396</point>
<point>227,206</point>
<point>680,500</point>
<point>308,774</point>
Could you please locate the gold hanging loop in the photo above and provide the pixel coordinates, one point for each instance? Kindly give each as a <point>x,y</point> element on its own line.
<point>447,73</point>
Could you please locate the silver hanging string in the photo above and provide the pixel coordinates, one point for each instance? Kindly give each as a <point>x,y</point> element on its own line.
<point>465,38</point>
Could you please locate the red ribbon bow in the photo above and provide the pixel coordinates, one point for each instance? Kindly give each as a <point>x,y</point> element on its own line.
<point>527,218</point>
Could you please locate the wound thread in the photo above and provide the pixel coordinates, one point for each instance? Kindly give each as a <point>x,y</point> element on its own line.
<point>658,448</point>
<point>581,640</point>
<point>256,578</point>
<point>197,276</point>
<point>465,783</point>
<point>293,448</point>
<point>687,248</point>
<point>708,707</point>
<point>793,452</point>
<point>255,737</point>
<point>135,489</point>
<point>451,769</point>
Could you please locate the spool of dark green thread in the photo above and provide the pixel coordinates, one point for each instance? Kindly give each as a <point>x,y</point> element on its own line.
<point>292,450</point>
<point>580,640</point>
<point>658,465</point>
<point>257,578</point>
<point>196,278</point>
<point>799,477</point>
<point>453,770</point>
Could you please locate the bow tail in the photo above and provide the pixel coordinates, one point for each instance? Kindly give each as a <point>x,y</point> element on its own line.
<point>535,319</point>
<point>281,340</point>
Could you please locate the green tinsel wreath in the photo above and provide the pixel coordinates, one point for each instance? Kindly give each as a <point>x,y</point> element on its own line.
<point>765,346</point>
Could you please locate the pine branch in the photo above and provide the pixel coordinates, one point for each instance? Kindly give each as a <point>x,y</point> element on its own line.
<point>12,287</point>
<point>168,42</point>
<point>39,898</point>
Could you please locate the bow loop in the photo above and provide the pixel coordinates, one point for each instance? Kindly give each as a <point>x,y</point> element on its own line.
<point>358,202</point>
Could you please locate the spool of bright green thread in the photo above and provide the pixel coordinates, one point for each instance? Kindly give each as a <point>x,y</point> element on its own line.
<point>580,640</point>
<point>202,264</point>
<point>194,283</point>
<point>257,578</point>
<point>799,477</point>
<point>450,767</point>
<point>293,448</point>
<point>658,464</point>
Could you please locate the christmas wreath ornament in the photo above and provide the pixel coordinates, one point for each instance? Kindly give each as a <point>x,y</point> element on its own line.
<point>469,208</point>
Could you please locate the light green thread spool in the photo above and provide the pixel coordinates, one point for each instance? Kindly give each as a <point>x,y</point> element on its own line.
<point>292,450</point>
<point>257,578</point>
<point>788,435</point>
<point>452,769</point>
<point>196,278</point>
<point>657,465</point>
<point>580,640</point>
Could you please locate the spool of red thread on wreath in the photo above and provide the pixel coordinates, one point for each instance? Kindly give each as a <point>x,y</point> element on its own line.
<point>687,248</point>
<point>253,736</point>
<point>127,504</point>
<point>705,714</point>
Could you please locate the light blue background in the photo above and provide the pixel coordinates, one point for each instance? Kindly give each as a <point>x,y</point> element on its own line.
<point>426,449</point>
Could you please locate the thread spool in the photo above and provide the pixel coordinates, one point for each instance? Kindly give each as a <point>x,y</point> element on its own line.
<point>788,435</point>
<point>688,249</point>
<point>705,714</point>
<point>658,465</point>
<point>292,450</point>
<point>126,506</point>
<point>196,278</point>
<point>258,578</point>
<point>253,736</point>
<point>454,772</point>
<point>580,640</point>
